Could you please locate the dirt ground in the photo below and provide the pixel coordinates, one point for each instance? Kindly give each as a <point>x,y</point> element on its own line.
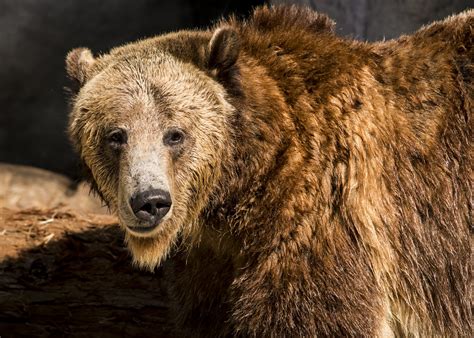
<point>66,272</point>
<point>63,274</point>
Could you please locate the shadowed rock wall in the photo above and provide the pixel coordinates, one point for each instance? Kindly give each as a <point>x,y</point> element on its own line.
<point>378,19</point>
<point>35,36</point>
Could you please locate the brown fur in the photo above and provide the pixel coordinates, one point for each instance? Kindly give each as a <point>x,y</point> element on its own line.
<point>327,189</point>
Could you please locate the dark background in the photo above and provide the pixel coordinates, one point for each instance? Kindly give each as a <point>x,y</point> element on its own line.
<point>35,36</point>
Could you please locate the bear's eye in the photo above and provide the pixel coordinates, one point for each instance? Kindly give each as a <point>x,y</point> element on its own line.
<point>173,137</point>
<point>117,138</point>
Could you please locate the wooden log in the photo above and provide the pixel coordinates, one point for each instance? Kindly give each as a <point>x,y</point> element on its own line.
<point>23,187</point>
<point>65,274</point>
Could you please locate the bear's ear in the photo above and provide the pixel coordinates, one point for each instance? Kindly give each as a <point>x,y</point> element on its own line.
<point>224,48</point>
<point>78,64</point>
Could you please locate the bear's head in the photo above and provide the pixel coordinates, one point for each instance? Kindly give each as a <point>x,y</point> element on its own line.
<point>177,132</point>
<point>151,129</point>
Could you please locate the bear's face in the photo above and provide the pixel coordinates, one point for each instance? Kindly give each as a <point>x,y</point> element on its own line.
<point>151,130</point>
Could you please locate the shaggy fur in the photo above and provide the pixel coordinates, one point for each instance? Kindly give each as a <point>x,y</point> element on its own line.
<point>326,187</point>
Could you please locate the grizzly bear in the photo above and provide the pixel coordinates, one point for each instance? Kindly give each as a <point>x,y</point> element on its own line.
<point>302,184</point>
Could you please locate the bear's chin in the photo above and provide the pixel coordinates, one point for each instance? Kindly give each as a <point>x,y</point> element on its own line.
<point>149,252</point>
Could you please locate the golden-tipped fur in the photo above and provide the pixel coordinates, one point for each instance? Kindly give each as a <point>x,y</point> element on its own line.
<point>326,185</point>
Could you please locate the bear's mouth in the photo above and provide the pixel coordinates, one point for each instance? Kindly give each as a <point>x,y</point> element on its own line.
<point>142,229</point>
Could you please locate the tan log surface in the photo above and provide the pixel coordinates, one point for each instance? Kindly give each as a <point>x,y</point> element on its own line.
<point>67,274</point>
<point>23,187</point>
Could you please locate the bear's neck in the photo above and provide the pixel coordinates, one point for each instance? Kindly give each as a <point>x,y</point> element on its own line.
<point>289,134</point>
<point>274,148</point>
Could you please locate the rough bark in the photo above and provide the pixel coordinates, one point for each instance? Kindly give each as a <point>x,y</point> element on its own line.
<point>66,274</point>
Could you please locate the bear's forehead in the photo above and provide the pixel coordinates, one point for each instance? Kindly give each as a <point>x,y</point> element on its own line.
<point>159,75</point>
<point>134,80</point>
<point>141,72</point>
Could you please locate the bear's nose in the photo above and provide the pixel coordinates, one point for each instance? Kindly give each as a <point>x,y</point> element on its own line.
<point>150,206</point>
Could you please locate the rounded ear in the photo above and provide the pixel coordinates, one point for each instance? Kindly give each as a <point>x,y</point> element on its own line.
<point>78,63</point>
<point>224,48</point>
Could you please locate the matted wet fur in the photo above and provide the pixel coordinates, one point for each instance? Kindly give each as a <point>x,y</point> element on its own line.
<point>324,186</point>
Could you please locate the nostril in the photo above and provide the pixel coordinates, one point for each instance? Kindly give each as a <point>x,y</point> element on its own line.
<point>161,205</point>
<point>147,208</point>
